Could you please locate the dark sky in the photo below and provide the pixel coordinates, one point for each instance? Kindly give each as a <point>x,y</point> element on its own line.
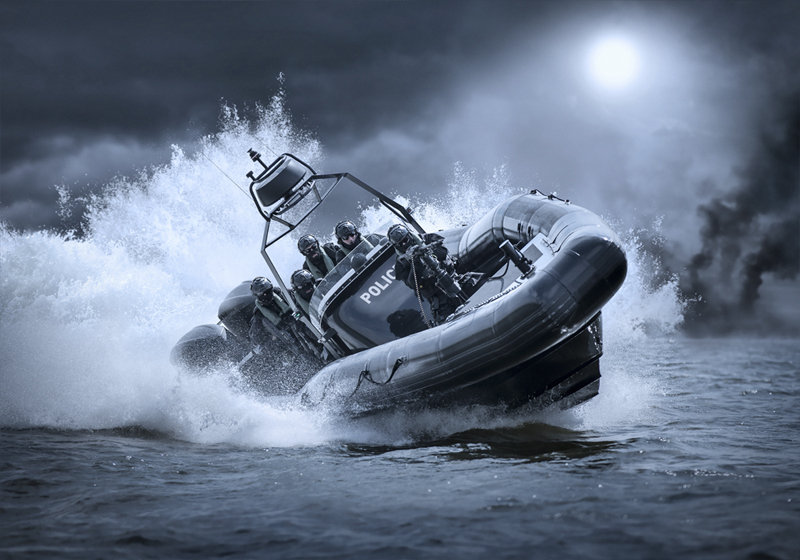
<point>90,89</point>
<point>398,91</point>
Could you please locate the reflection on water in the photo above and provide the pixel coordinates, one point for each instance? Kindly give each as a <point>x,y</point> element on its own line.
<point>528,442</point>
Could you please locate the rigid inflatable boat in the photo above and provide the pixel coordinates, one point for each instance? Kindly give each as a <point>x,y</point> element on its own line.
<point>529,331</point>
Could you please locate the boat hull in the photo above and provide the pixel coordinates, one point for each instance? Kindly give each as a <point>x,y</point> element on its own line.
<point>538,341</point>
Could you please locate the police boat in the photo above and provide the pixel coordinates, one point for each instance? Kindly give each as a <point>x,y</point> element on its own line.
<point>531,277</point>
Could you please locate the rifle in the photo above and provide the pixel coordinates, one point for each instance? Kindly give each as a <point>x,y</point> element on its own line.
<point>432,268</point>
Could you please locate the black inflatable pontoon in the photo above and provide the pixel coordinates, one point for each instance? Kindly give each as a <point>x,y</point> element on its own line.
<point>529,332</point>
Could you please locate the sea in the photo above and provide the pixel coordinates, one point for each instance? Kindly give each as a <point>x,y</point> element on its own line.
<point>690,450</point>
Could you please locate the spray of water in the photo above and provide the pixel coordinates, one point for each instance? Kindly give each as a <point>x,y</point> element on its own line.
<point>639,321</point>
<point>87,320</point>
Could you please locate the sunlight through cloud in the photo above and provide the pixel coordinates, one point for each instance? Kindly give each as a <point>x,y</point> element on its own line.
<point>614,62</point>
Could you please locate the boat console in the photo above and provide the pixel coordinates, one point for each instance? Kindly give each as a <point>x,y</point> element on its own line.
<point>364,303</point>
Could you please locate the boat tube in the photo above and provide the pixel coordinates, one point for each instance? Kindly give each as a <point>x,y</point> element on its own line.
<point>536,271</point>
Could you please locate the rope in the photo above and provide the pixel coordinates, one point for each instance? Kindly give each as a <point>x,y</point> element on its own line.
<point>365,374</point>
<point>419,297</point>
<point>228,176</point>
<point>265,145</point>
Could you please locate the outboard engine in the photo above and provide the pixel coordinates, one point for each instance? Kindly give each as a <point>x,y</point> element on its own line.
<point>203,346</point>
<point>236,310</point>
<point>207,345</point>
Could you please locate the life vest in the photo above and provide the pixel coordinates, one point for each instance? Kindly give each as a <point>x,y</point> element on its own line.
<point>318,274</point>
<point>270,314</point>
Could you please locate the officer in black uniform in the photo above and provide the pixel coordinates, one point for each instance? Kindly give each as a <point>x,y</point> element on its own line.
<point>319,261</point>
<point>303,285</point>
<point>282,362</point>
<point>349,238</point>
<point>272,317</point>
<point>424,265</point>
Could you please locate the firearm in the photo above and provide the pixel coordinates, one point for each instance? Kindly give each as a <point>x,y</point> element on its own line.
<point>432,268</point>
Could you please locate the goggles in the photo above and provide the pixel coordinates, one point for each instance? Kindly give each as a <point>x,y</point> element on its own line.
<point>311,250</point>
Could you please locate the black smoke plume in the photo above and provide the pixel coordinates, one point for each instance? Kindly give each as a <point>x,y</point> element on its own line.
<point>749,232</point>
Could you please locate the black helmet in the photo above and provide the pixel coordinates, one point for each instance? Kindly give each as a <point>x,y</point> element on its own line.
<point>303,283</point>
<point>345,230</point>
<point>262,289</point>
<point>400,237</point>
<point>308,245</point>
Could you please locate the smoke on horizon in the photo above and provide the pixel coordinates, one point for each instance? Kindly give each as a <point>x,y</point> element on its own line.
<point>750,231</point>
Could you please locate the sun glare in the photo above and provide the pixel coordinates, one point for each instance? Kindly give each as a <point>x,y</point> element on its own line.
<point>614,63</point>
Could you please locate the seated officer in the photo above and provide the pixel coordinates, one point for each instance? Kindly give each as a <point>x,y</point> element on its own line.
<point>303,286</point>
<point>319,261</point>
<point>349,237</point>
<point>272,307</point>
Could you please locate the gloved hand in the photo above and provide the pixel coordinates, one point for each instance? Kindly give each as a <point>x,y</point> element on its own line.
<point>257,349</point>
<point>287,321</point>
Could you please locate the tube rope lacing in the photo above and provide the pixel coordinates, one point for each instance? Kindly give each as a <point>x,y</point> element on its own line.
<point>366,374</point>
